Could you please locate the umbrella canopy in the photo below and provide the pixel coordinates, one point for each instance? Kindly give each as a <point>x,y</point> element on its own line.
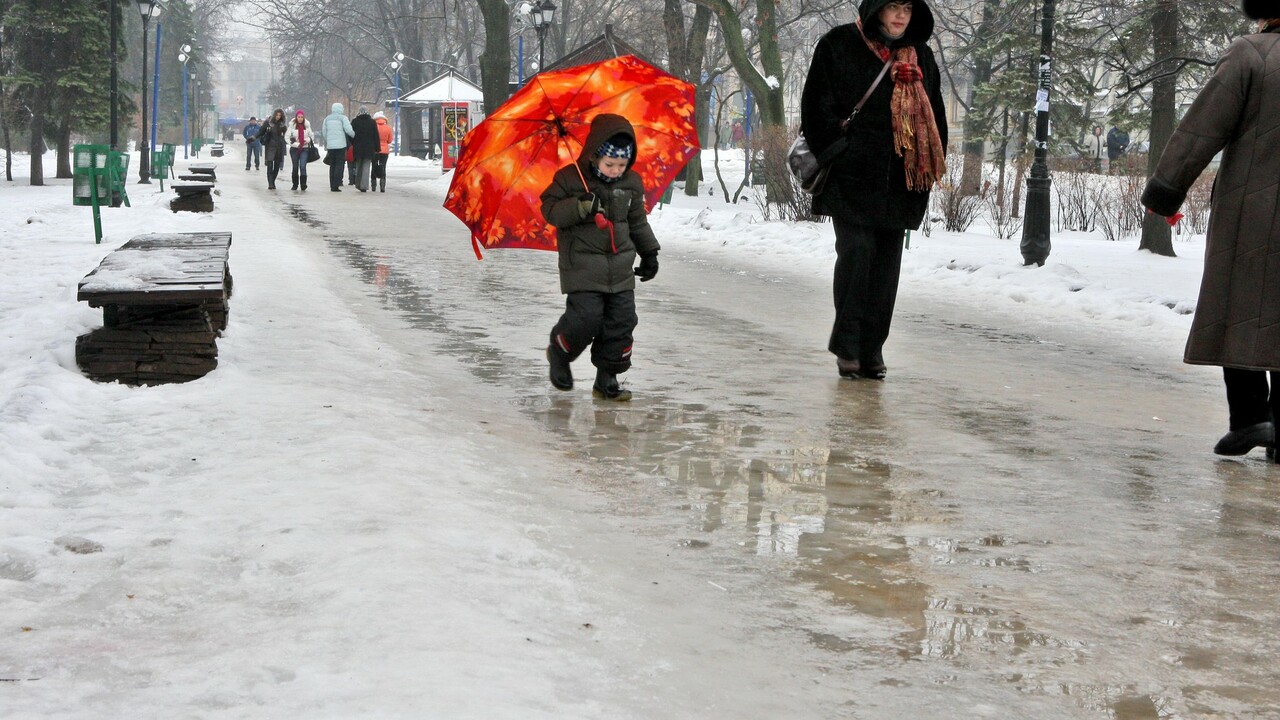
<point>508,160</point>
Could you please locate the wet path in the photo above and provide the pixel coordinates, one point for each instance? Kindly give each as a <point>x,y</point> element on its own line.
<point>1023,521</point>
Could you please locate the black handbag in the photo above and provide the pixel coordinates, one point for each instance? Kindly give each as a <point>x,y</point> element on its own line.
<point>313,153</point>
<point>811,170</point>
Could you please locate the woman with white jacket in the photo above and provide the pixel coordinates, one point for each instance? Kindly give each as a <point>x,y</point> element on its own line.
<point>300,141</point>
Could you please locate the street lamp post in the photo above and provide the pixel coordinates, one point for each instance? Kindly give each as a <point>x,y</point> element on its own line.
<point>199,116</point>
<point>395,65</point>
<point>1035,244</point>
<point>184,54</point>
<point>147,9</point>
<point>115,78</point>
<point>350,86</point>
<point>155,85</point>
<point>544,16</point>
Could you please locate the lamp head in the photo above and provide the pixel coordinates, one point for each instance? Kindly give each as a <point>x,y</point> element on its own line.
<point>395,65</point>
<point>399,57</point>
<point>186,49</point>
<point>183,57</point>
<point>536,15</point>
<point>150,9</point>
<point>548,12</point>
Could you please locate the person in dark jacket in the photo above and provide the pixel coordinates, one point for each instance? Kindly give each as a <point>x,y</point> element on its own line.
<point>878,187</point>
<point>252,148</point>
<point>597,206</point>
<point>1237,319</point>
<point>274,145</point>
<point>1117,143</point>
<point>365,146</point>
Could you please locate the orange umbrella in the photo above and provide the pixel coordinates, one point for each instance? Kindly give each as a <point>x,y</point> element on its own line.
<point>507,161</point>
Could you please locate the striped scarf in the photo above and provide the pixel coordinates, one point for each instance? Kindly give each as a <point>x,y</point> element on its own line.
<point>915,130</point>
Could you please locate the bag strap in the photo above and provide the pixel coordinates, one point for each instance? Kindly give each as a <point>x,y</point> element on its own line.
<point>838,146</point>
<point>858,108</point>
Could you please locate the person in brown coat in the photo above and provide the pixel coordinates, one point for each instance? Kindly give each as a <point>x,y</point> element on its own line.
<point>1237,319</point>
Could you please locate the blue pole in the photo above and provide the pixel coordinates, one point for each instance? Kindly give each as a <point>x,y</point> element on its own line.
<point>185,140</point>
<point>396,141</point>
<point>520,62</point>
<point>155,90</point>
<point>746,127</point>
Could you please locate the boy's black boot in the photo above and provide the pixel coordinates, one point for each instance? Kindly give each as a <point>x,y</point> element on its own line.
<point>561,373</point>
<point>607,388</point>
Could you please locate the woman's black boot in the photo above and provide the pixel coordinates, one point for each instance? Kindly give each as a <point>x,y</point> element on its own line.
<point>1240,442</point>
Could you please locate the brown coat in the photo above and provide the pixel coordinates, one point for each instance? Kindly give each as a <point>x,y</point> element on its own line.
<point>1237,320</point>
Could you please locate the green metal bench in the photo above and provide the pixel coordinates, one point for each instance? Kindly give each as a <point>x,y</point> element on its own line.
<point>98,178</point>
<point>162,165</point>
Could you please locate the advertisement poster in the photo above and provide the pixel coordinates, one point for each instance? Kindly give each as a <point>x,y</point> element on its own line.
<point>455,122</point>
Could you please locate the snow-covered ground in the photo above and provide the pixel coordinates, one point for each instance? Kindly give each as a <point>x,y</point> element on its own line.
<point>324,528</point>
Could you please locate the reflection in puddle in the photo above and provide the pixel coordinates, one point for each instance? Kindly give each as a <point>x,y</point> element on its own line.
<point>809,490</point>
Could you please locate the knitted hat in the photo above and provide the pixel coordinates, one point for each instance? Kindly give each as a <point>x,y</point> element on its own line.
<point>299,114</point>
<point>379,114</point>
<point>618,146</point>
<point>1261,9</point>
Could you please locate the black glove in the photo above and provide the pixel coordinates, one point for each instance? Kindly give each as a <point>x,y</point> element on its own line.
<point>648,267</point>
<point>588,205</point>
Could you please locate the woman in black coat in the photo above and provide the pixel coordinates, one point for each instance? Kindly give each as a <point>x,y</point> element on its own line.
<point>273,145</point>
<point>878,187</point>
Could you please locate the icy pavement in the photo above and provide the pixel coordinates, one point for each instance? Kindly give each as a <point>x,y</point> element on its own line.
<point>391,514</point>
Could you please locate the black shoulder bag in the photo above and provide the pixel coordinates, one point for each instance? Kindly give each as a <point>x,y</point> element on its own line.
<point>811,170</point>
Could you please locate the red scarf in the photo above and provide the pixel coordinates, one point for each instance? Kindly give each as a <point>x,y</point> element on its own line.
<point>302,132</point>
<point>915,130</point>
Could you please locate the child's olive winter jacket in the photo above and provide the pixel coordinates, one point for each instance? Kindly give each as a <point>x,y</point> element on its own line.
<point>591,260</point>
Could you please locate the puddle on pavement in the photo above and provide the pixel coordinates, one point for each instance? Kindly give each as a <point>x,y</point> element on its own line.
<point>821,502</point>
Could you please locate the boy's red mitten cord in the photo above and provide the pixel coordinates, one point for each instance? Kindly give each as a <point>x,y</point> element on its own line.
<point>907,72</point>
<point>1173,219</point>
<point>603,222</point>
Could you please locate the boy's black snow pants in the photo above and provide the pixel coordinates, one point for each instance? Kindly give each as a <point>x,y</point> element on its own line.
<point>604,321</point>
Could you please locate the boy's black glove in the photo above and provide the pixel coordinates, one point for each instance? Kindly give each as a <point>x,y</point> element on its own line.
<point>588,205</point>
<point>648,267</point>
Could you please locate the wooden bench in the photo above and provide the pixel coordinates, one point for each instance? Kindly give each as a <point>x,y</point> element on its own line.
<point>164,302</point>
<point>206,170</point>
<point>192,197</point>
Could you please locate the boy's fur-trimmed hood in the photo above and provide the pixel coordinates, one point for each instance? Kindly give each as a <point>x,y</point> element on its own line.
<point>603,127</point>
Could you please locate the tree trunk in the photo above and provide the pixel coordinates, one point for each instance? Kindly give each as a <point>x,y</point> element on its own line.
<point>1016,211</point>
<point>495,61</point>
<point>64,149</point>
<point>974,147</point>
<point>768,95</point>
<point>1156,234</point>
<point>687,53</point>
<point>37,143</point>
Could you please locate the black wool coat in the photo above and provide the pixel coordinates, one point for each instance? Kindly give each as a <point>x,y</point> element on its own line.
<point>366,142</point>
<point>868,182</point>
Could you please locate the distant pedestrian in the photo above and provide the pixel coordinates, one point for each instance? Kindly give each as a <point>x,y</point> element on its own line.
<point>365,147</point>
<point>385,138</point>
<point>1096,148</point>
<point>596,205</point>
<point>336,131</point>
<point>1117,143</point>
<point>272,135</point>
<point>252,148</point>
<point>879,183</point>
<point>300,143</point>
<point>1237,317</point>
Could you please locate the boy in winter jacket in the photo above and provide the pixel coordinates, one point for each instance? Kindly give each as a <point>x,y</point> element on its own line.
<point>597,208</point>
